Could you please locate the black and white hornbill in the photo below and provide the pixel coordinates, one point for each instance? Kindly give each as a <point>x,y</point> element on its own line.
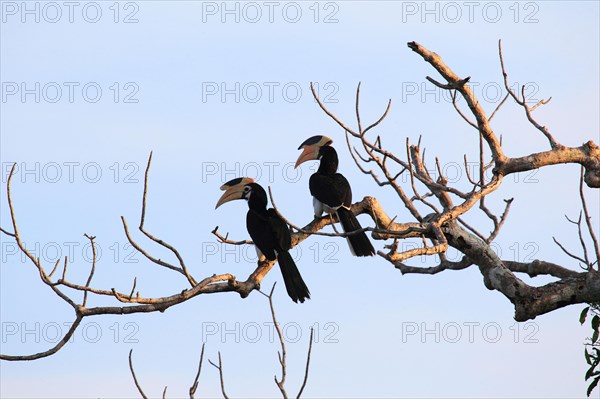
<point>269,232</point>
<point>332,193</point>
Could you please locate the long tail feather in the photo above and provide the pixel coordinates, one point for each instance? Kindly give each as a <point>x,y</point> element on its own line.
<point>295,286</point>
<point>359,243</point>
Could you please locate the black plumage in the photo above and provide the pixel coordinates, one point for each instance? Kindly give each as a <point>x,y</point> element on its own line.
<point>271,236</point>
<point>333,194</point>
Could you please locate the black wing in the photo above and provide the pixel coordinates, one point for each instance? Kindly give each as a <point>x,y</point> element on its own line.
<point>281,231</point>
<point>259,228</point>
<point>333,191</point>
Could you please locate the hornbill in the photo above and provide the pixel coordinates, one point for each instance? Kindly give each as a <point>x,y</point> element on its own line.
<point>332,193</point>
<point>269,232</point>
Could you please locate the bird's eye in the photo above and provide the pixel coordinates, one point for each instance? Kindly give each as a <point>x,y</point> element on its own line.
<point>246,189</point>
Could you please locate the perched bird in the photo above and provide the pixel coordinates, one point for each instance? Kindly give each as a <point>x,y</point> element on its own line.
<point>269,232</point>
<point>332,193</point>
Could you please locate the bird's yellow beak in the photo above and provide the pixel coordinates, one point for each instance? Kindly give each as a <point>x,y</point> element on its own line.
<point>234,190</point>
<point>311,149</point>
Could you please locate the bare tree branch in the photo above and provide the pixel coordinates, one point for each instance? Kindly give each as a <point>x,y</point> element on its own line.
<point>49,352</point>
<point>281,355</point>
<point>183,268</point>
<point>541,268</point>
<point>225,239</point>
<point>137,384</point>
<point>310,342</point>
<point>455,104</point>
<point>92,270</point>
<point>523,102</point>
<point>461,86</point>
<point>498,109</point>
<point>588,221</point>
<point>587,155</point>
<point>220,368</point>
<point>442,266</point>
<point>194,386</point>
<point>569,253</point>
<point>8,233</point>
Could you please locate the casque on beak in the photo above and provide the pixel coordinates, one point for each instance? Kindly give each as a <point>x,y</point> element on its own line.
<point>311,148</point>
<point>234,190</point>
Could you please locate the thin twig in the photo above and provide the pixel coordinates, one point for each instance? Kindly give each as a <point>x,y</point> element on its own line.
<point>195,383</point>
<point>93,268</point>
<point>171,248</point>
<point>307,364</point>
<point>220,368</point>
<point>133,288</point>
<point>568,253</point>
<point>137,384</point>
<point>498,224</point>
<point>50,351</point>
<point>54,269</point>
<point>523,103</point>
<point>498,107</point>
<point>588,220</point>
<point>226,240</point>
<point>581,240</point>
<point>360,130</point>
<point>381,118</point>
<point>282,355</point>
<point>460,112</point>
<point>8,233</point>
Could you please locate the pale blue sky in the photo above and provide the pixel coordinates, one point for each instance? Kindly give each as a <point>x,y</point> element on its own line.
<point>364,310</point>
